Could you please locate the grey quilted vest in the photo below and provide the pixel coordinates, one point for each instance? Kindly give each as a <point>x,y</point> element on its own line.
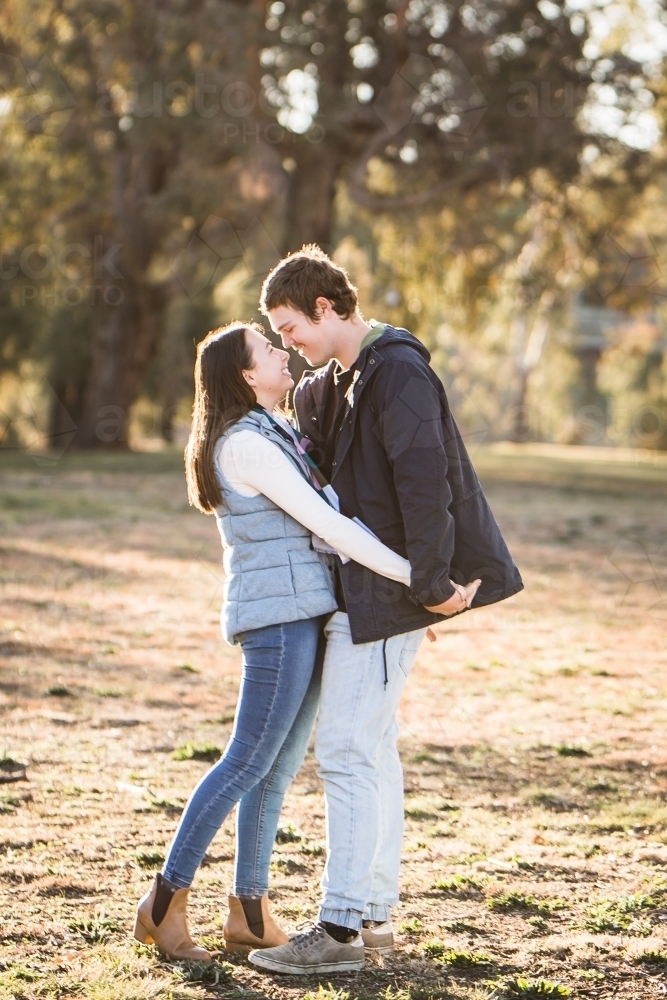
<point>272,573</point>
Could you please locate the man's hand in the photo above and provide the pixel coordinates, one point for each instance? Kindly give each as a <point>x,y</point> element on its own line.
<point>463,598</point>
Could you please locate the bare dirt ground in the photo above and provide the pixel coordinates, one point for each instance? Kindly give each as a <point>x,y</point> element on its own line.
<point>534,744</point>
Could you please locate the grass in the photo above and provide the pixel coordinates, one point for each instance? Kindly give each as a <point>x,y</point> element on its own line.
<point>515,900</point>
<point>59,691</point>
<point>459,883</point>
<point>462,927</point>
<point>652,956</point>
<point>212,973</point>
<point>102,972</point>
<point>602,788</point>
<point>314,850</point>
<point>8,803</point>
<point>287,865</point>
<point>149,859</point>
<point>419,814</point>
<point>198,751</point>
<point>105,604</point>
<point>21,504</point>
<point>531,989</point>
<point>454,958</point>
<point>10,768</point>
<point>288,834</point>
<point>568,750</point>
<point>624,914</point>
<point>553,802</point>
<point>326,993</point>
<point>95,930</point>
<point>424,992</point>
<point>424,757</point>
<point>589,974</point>
<point>434,949</point>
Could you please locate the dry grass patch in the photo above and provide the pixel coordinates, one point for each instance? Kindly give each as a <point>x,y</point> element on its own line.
<point>522,785</point>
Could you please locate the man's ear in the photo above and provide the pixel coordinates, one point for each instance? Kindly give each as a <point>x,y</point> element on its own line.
<point>323,307</point>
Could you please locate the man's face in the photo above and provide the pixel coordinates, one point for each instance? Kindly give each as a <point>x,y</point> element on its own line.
<point>313,340</point>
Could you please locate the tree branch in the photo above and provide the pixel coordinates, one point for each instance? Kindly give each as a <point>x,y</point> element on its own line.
<point>378,203</point>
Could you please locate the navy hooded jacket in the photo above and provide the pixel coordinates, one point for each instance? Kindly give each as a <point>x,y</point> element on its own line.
<point>398,463</point>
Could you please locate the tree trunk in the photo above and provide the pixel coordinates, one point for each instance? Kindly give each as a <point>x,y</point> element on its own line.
<point>522,429</point>
<point>65,411</point>
<point>124,342</point>
<point>311,193</point>
<point>529,360</point>
<point>591,414</point>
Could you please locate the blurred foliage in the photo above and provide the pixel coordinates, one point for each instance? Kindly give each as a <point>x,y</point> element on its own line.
<point>486,171</point>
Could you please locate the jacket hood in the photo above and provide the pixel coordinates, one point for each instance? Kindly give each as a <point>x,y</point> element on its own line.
<point>317,380</point>
<point>397,335</point>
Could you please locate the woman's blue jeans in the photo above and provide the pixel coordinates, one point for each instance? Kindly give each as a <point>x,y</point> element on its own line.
<point>280,686</point>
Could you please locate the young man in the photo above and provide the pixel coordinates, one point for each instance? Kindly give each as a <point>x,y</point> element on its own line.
<point>383,436</point>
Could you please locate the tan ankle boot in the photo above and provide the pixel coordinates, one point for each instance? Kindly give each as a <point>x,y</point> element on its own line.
<point>161,920</point>
<point>260,931</point>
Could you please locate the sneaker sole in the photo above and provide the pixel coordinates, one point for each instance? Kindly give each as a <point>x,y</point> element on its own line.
<point>306,970</point>
<point>383,946</point>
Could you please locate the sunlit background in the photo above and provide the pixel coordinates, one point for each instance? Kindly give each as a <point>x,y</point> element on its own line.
<point>491,174</point>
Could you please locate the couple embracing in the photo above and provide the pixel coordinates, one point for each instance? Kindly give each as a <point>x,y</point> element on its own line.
<point>347,531</point>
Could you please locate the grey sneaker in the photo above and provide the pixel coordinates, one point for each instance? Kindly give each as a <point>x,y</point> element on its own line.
<point>314,951</point>
<point>378,937</point>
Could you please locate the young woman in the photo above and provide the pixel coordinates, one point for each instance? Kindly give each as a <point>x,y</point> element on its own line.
<point>246,465</point>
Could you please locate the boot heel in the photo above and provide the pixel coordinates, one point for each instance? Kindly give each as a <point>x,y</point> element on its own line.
<point>238,949</point>
<point>141,933</point>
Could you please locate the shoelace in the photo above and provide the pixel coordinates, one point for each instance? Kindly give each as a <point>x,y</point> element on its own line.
<point>308,937</point>
<point>305,926</point>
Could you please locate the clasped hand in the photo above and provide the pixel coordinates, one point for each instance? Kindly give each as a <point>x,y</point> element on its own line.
<point>462,598</point>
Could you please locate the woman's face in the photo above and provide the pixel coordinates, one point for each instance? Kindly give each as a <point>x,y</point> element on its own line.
<point>269,376</point>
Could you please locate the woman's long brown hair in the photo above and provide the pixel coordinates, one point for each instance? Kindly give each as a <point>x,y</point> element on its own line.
<point>222,396</point>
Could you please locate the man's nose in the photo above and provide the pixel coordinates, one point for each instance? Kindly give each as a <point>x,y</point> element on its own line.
<point>287,340</point>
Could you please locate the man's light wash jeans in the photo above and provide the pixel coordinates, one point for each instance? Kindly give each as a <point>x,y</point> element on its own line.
<point>355,746</point>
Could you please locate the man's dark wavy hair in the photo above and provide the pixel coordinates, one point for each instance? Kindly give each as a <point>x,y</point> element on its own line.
<point>304,276</point>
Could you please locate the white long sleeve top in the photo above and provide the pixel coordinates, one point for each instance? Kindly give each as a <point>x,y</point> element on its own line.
<point>251,464</point>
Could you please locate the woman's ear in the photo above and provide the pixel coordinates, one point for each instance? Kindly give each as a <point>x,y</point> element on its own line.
<point>249,377</point>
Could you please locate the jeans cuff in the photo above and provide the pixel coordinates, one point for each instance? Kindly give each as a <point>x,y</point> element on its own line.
<point>378,912</point>
<point>344,918</point>
<point>182,883</point>
<point>248,890</point>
